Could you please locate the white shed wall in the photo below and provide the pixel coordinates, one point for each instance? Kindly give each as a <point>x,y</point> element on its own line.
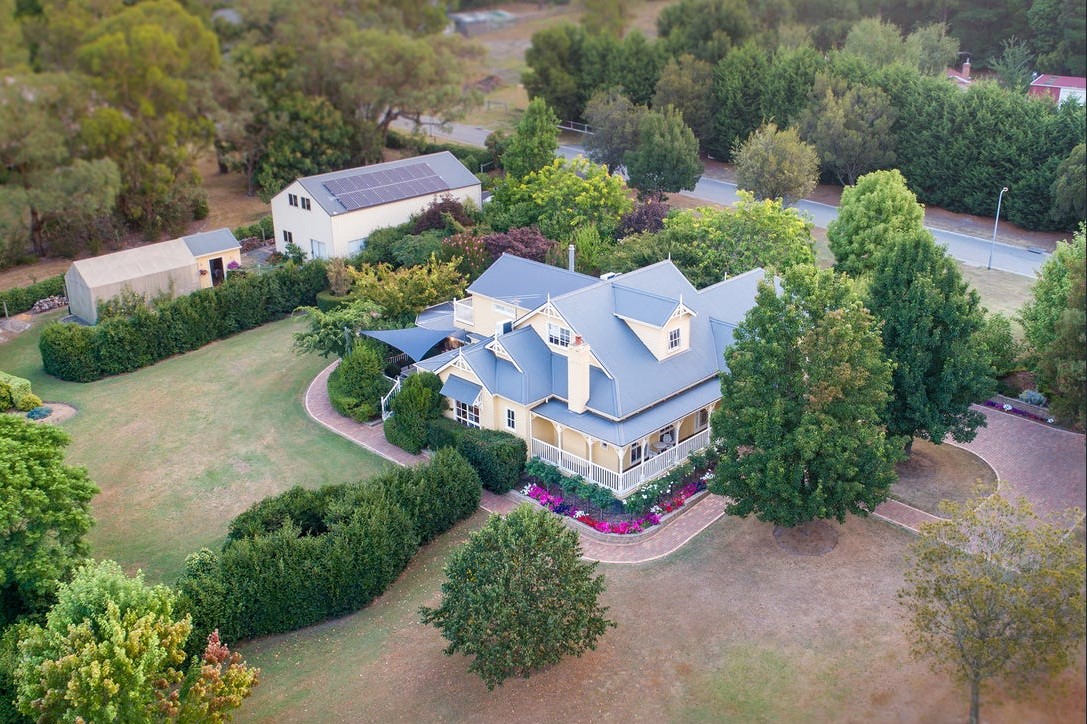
<point>303,224</point>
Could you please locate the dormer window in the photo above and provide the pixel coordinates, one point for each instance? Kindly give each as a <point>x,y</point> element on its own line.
<point>558,336</point>
<point>675,339</point>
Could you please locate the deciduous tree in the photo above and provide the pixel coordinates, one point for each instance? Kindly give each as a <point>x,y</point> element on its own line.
<point>518,597</point>
<point>800,422</point>
<point>995,593</point>
<point>306,136</point>
<point>666,157</point>
<point>112,649</point>
<point>930,318</point>
<point>533,144</point>
<point>877,208</point>
<point>775,164</point>
<point>1049,295</point>
<point>615,122</point>
<point>44,514</point>
<point>1062,367</point>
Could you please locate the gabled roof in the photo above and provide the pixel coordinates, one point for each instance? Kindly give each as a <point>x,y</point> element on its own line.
<point>129,264</point>
<point>1060,81</point>
<point>341,192</point>
<point>527,283</point>
<point>646,307</point>
<point>211,242</point>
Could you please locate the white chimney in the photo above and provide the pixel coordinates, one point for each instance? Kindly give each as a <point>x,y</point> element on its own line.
<point>570,250</point>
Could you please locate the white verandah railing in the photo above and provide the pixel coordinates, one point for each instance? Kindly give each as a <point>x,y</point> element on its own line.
<point>385,411</point>
<point>622,483</point>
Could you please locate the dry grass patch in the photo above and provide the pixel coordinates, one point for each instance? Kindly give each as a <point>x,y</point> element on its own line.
<point>941,472</point>
<point>228,204</point>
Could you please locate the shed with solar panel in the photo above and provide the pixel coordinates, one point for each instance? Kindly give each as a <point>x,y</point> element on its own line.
<point>332,214</point>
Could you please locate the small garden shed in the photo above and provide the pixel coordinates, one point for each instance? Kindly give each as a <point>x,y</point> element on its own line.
<point>176,267</point>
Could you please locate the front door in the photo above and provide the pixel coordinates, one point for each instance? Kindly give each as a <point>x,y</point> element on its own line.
<point>216,265</point>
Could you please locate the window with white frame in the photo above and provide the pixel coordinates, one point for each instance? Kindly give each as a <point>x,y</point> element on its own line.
<point>292,199</point>
<point>511,419</point>
<point>674,339</point>
<point>288,237</point>
<point>504,309</point>
<point>635,453</point>
<point>467,414</point>
<point>702,419</point>
<point>317,249</point>
<point>558,335</point>
<point>306,203</point>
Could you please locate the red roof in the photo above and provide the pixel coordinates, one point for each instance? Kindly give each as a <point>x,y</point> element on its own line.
<point>1060,81</point>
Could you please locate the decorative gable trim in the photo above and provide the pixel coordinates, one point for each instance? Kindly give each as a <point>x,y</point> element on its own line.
<point>500,352</point>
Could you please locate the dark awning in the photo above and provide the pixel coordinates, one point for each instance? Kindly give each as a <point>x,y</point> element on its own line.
<point>415,342</point>
<point>461,390</point>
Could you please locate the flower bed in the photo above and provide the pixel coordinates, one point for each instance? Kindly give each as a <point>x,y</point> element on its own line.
<point>1007,407</point>
<point>669,503</point>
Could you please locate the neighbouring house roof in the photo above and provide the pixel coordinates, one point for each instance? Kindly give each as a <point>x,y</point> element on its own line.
<point>526,283</point>
<point>129,264</point>
<point>1060,81</point>
<point>632,392</point>
<point>960,78</point>
<point>211,242</point>
<point>341,192</point>
<point>415,342</point>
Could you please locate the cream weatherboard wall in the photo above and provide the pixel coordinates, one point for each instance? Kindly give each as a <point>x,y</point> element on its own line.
<point>203,264</point>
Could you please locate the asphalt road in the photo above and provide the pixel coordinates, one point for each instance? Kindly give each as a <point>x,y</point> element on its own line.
<point>967,249</point>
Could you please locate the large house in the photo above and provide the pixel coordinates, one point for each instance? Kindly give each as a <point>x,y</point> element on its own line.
<point>175,267</point>
<point>330,215</point>
<point>612,379</point>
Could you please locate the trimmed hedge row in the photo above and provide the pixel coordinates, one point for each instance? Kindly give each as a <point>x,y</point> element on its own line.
<point>83,354</point>
<point>15,393</point>
<point>308,555</point>
<point>497,456</point>
<point>23,298</point>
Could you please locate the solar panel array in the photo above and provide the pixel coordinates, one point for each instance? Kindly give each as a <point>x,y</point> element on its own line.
<point>379,187</point>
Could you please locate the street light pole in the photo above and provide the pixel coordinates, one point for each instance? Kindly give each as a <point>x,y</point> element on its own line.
<point>996,222</point>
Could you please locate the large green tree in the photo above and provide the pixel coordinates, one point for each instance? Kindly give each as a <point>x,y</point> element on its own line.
<point>850,125</point>
<point>532,145</point>
<point>1049,295</point>
<point>112,649</point>
<point>930,318</point>
<point>775,164</point>
<point>800,422</point>
<point>739,87</point>
<point>1070,186</point>
<point>878,207</point>
<point>44,514</point>
<point>1062,364</point>
<point>554,61</point>
<point>519,598</point>
<point>707,29</point>
<point>615,121</point>
<point>683,83</point>
<point>995,593</point>
<point>666,157</point>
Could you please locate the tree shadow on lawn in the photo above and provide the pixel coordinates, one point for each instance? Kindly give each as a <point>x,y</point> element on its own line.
<point>941,472</point>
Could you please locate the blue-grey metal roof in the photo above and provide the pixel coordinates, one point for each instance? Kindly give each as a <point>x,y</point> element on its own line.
<point>527,283</point>
<point>633,384</point>
<point>642,306</point>
<point>340,192</point>
<point>415,342</point>
<point>211,242</point>
<point>461,390</point>
<point>638,426</point>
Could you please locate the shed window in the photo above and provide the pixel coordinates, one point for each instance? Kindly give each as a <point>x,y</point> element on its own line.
<point>305,203</point>
<point>292,199</point>
<point>288,237</point>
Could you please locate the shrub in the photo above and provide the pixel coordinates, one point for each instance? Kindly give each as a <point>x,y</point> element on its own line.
<point>643,218</point>
<point>436,494</point>
<point>15,393</point>
<point>20,299</point>
<point>380,243</point>
<point>356,387</point>
<point>262,229</point>
<point>440,213</point>
<point>39,413</point>
<point>1033,397</point>
<point>497,456</point>
<point>1000,347</point>
<point>300,506</point>
<point>414,250</point>
<point>83,354</point>
<point>526,242</point>
<point>418,402</point>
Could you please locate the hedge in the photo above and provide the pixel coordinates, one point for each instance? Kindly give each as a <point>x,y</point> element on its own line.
<point>497,456</point>
<point>23,298</point>
<point>470,156</point>
<point>83,354</point>
<point>419,401</point>
<point>15,393</point>
<point>304,556</point>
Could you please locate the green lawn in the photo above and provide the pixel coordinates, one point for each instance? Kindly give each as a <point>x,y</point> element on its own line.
<point>181,447</point>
